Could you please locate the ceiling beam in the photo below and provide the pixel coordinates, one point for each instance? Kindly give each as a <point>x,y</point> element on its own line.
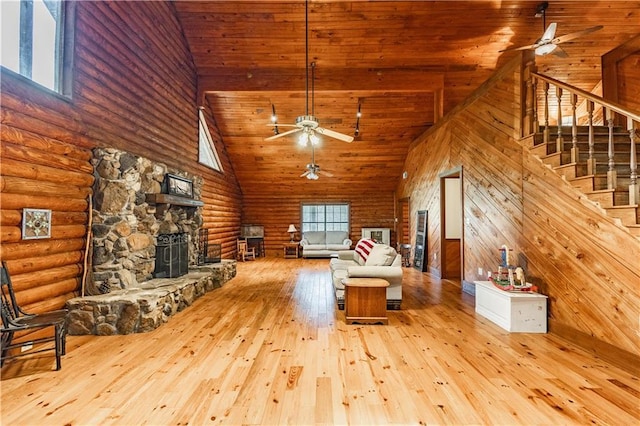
<point>354,79</point>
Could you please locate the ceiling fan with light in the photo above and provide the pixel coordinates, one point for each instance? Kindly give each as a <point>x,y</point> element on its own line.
<point>313,170</point>
<point>549,43</point>
<point>307,124</point>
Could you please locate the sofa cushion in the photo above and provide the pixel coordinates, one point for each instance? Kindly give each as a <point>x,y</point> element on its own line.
<point>343,264</point>
<point>364,247</point>
<point>336,247</point>
<point>315,247</point>
<point>315,237</point>
<point>336,237</point>
<point>381,255</point>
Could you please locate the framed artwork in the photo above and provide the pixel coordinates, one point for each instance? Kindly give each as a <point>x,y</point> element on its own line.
<point>36,223</point>
<point>177,185</point>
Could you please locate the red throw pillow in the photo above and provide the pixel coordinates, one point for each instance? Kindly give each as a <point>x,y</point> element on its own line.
<point>364,247</point>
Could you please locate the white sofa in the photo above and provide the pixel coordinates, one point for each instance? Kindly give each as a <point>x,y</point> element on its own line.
<point>382,261</point>
<point>324,243</point>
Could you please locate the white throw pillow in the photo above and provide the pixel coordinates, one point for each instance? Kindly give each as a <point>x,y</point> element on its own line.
<point>381,255</point>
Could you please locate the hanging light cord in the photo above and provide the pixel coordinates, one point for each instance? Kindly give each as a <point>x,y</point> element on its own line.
<point>306,58</point>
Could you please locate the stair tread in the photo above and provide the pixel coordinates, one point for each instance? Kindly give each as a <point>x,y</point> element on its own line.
<point>628,206</point>
<point>566,165</point>
<point>601,191</point>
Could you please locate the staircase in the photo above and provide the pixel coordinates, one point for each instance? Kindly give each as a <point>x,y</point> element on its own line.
<point>593,181</point>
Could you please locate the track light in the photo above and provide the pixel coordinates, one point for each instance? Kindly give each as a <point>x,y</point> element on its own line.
<point>358,115</point>
<point>274,120</point>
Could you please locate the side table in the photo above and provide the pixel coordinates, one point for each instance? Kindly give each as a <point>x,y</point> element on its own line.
<point>291,250</point>
<point>365,300</point>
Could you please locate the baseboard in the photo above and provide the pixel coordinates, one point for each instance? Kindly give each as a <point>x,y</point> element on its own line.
<point>469,287</point>
<point>435,272</point>
<point>619,357</point>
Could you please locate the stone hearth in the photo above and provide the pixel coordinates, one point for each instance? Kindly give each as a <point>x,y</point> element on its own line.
<point>147,306</point>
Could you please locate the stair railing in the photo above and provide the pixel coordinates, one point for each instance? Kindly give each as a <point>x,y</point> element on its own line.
<point>611,112</point>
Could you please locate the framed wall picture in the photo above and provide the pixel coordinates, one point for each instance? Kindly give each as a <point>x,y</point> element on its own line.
<point>177,185</point>
<point>36,223</point>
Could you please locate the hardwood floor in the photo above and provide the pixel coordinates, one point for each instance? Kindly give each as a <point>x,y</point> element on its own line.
<point>270,347</point>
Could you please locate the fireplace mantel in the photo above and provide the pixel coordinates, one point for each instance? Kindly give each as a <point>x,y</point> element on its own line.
<point>164,201</point>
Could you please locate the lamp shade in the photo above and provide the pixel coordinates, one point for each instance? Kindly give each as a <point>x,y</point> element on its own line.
<point>292,228</point>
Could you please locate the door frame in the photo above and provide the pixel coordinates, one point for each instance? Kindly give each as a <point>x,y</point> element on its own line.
<point>456,172</point>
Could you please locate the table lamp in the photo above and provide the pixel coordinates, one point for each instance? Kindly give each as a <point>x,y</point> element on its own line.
<point>292,231</point>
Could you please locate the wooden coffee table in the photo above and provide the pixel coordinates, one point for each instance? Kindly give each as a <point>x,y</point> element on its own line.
<point>365,300</point>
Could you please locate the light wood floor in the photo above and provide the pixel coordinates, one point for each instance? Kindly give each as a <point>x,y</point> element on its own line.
<point>270,347</point>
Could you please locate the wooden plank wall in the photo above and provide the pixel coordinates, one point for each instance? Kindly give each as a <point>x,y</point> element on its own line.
<point>584,261</point>
<point>629,81</point>
<point>621,74</point>
<point>134,88</point>
<point>276,213</point>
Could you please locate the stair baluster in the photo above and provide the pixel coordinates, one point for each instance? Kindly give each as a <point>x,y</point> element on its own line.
<point>545,134</point>
<point>591,161</point>
<point>574,129</point>
<point>611,173</point>
<point>559,140</point>
<point>634,188</point>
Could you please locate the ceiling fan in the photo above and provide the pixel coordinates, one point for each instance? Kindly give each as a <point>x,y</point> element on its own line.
<point>549,43</point>
<point>313,170</point>
<point>307,124</point>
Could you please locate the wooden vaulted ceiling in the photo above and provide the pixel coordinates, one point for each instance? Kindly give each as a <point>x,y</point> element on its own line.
<point>403,61</point>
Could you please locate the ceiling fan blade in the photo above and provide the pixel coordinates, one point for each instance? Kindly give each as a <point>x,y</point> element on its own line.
<point>559,52</point>
<point>304,174</point>
<point>279,135</point>
<point>327,174</point>
<point>549,33</point>
<point>527,47</point>
<point>577,34</point>
<point>280,125</point>
<point>335,135</point>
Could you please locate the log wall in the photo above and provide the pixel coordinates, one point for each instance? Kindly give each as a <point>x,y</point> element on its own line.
<point>583,260</point>
<point>371,210</point>
<point>134,88</point>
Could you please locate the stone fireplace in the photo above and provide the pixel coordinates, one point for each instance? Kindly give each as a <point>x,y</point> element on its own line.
<point>133,216</point>
<point>151,257</point>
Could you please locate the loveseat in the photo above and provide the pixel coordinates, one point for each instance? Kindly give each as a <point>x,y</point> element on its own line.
<point>324,243</point>
<point>369,260</point>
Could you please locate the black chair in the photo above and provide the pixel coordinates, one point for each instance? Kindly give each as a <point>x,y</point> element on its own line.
<point>15,320</point>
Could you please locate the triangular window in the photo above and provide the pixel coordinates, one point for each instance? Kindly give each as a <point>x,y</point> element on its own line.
<point>207,154</point>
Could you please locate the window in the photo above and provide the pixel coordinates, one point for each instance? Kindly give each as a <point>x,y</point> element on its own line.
<point>33,41</point>
<point>325,217</point>
<point>207,154</point>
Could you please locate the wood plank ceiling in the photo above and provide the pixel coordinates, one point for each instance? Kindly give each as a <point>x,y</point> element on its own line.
<point>395,58</point>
